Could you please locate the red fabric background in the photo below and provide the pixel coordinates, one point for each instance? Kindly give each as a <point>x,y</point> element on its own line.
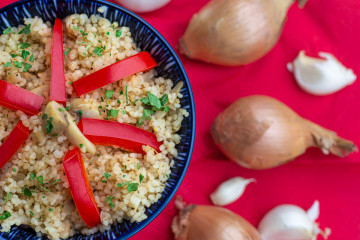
<point>323,25</point>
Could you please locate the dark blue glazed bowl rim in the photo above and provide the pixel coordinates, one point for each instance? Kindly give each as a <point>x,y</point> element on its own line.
<point>187,82</point>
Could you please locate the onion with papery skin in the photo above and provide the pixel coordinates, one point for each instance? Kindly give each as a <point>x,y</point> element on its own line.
<point>197,222</point>
<point>235,32</point>
<point>260,132</point>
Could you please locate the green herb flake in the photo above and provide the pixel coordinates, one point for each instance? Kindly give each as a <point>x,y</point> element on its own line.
<point>109,94</point>
<point>141,178</point>
<point>43,196</point>
<point>26,29</point>
<point>31,213</point>
<point>123,111</point>
<point>98,51</point>
<point>7,197</point>
<point>66,52</point>
<point>69,83</point>
<point>126,94</point>
<point>123,184</point>
<point>75,27</point>
<point>8,64</point>
<point>104,181</point>
<point>132,187</point>
<point>49,125</point>
<point>14,55</point>
<point>44,116</point>
<point>80,42</point>
<point>18,64</point>
<point>166,175</point>
<point>6,31</point>
<point>47,190</point>
<point>32,175</point>
<point>107,175</point>
<point>164,99</point>
<point>80,113</point>
<point>81,145</point>
<point>5,215</point>
<point>138,166</point>
<point>50,209</point>
<point>14,170</point>
<point>118,33</point>
<point>102,99</point>
<point>27,66</point>
<point>67,108</point>
<point>61,109</point>
<point>109,201</point>
<point>114,113</point>
<point>24,45</point>
<point>153,100</point>
<point>108,33</point>
<point>88,46</point>
<point>55,181</point>
<point>32,58</point>
<point>40,179</point>
<point>27,192</point>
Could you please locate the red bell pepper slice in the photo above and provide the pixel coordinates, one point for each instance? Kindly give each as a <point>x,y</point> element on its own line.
<point>138,63</point>
<point>57,89</point>
<point>17,98</point>
<point>80,188</point>
<point>13,142</point>
<point>125,136</point>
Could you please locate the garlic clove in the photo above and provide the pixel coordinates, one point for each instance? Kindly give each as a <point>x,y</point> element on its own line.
<point>320,76</point>
<point>290,222</point>
<point>142,6</point>
<point>230,191</point>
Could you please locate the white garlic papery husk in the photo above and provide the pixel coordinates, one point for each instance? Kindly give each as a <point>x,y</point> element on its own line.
<point>290,222</point>
<point>230,191</point>
<point>320,76</point>
<point>142,6</point>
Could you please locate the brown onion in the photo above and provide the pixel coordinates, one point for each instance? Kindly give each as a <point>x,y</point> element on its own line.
<point>260,132</point>
<point>235,32</point>
<point>196,222</point>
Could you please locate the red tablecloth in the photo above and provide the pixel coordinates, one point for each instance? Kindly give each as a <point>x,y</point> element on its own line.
<point>323,25</point>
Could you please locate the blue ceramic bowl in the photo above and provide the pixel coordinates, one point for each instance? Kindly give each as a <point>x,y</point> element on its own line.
<point>169,66</point>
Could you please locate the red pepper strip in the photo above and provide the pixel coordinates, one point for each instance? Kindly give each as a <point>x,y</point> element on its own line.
<point>80,188</point>
<point>17,98</point>
<point>125,136</point>
<point>13,142</point>
<point>57,89</point>
<point>138,63</point>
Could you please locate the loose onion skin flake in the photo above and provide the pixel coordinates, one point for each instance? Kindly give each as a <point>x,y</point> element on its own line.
<point>234,32</point>
<point>197,222</point>
<point>260,132</point>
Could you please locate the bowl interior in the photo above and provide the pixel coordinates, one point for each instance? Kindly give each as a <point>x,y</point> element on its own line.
<point>169,66</point>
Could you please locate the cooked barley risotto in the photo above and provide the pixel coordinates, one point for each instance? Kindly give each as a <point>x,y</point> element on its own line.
<point>104,147</point>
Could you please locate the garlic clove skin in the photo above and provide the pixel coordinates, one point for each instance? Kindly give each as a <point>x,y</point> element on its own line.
<point>230,191</point>
<point>321,76</point>
<point>290,222</point>
<point>142,6</point>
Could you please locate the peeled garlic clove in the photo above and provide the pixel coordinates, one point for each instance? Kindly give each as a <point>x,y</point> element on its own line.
<point>289,222</point>
<point>230,191</point>
<point>141,6</point>
<point>321,76</point>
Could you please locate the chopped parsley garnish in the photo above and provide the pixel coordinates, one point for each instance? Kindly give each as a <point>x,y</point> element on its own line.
<point>102,99</point>
<point>49,125</point>
<point>44,116</point>
<point>18,64</point>
<point>109,94</point>
<point>138,166</point>
<point>107,33</point>
<point>26,29</point>
<point>75,27</point>
<point>88,46</point>
<point>84,34</point>
<point>104,181</point>
<point>107,175</point>
<point>109,201</point>
<point>14,170</point>
<point>8,64</point>
<point>152,104</point>
<point>125,167</point>
<point>118,101</point>
<point>6,31</point>
<point>61,109</point>
<point>67,108</point>
<point>31,213</point>
<point>32,58</point>
<point>166,175</point>
<point>7,197</point>
<point>24,45</point>
<point>43,196</point>
<point>80,42</point>
<point>27,66</point>
<point>27,192</point>
<point>14,55</point>
<point>40,179</point>
<point>123,111</point>
<point>141,178</point>
<point>80,113</point>
<point>123,184</point>
<point>55,181</point>
<point>66,52</point>
<point>118,33</point>
<point>98,51</point>
<point>132,187</point>
<point>126,94</point>
<point>81,145</point>
<point>5,215</point>
<point>32,175</point>
<point>50,209</point>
